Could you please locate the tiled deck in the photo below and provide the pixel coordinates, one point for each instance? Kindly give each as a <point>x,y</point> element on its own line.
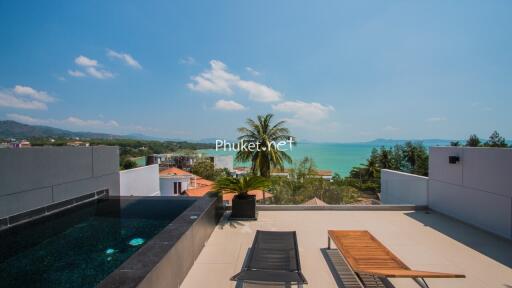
<point>431,242</point>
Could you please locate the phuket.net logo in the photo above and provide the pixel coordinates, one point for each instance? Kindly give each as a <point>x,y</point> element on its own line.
<point>254,146</point>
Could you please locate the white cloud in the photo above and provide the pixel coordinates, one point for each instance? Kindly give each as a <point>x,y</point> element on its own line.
<point>85,62</point>
<point>259,92</point>
<point>188,60</point>
<point>32,93</point>
<point>229,105</point>
<point>304,112</point>
<point>68,122</point>
<point>124,57</point>
<point>27,119</point>
<point>7,99</point>
<point>436,119</point>
<point>88,123</point>
<point>91,67</point>
<point>218,80</point>
<point>76,73</point>
<point>252,71</point>
<point>98,73</point>
<point>25,97</point>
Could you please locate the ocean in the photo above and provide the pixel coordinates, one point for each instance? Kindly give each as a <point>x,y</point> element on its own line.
<point>337,157</point>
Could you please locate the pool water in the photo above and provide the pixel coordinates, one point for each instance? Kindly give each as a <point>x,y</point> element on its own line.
<point>81,246</point>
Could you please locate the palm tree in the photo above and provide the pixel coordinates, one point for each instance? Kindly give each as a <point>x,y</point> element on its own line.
<point>384,158</point>
<point>495,140</point>
<point>264,134</point>
<point>371,168</point>
<point>473,141</point>
<point>242,185</point>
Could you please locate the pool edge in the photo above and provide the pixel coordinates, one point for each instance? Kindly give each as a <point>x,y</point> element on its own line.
<point>166,259</point>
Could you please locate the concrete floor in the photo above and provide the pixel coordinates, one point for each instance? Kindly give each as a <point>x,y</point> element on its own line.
<point>430,242</point>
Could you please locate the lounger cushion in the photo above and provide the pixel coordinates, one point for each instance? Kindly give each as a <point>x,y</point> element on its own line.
<point>274,257</point>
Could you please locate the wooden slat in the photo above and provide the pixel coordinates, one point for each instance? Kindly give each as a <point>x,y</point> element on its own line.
<point>365,254</point>
<point>413,274</point>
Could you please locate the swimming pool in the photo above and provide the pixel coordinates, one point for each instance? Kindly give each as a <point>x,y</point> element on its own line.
<point>80,246</point>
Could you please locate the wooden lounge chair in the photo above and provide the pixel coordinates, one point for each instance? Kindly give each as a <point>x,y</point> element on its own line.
<point>273,258</point>
<point>367,255</point>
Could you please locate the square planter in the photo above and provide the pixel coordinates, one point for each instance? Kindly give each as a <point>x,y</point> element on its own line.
<point>243,208</point>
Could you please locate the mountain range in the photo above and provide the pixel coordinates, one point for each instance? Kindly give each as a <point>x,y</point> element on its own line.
<point>13,129</point>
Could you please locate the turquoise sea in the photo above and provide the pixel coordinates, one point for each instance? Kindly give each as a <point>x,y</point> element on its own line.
<point>337,157</point>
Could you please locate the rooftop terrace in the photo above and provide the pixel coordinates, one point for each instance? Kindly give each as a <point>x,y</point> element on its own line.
<point>431,242</point>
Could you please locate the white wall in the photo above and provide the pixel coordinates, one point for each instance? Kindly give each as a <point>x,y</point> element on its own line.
<point>477,190</point>
<point>142,181</point>
<point>223,161</point>
<point>403,188</point>
<point>36,177</point>
<point>167,184</point>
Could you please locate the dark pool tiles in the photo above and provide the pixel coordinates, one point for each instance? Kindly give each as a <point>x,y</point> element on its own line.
<point>27,215</point>
<point>4,222</point>
<point>146,257</point>
<point>59,205</point>
<point>123,278</point>
<point>171,233</point>
<point>84,197</point>
<point>174,244</point>
<point>102,193</point>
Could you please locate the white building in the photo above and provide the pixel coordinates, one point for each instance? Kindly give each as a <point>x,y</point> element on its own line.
<point>174,181</point>
<point>470,184</point>
<point>221,162</point>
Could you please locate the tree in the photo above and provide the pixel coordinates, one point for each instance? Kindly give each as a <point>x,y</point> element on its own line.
<point>264,135</point>
<point>396,157</point>
<point>455,143</point>
<point>473,141</point>
<point>495,140</point>
<point>415,158</point>
<point>305,168</point>
<point>384,158</point>
<point>242,185</point>
<point>128,164</point>
<point>372,169</point>
<point>204,168</point>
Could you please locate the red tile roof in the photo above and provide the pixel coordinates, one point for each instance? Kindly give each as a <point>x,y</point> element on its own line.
<point>199,191</point>
<point>175,171</point>
<point>197,185</point>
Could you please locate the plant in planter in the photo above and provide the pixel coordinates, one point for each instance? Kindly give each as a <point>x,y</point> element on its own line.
<point>243,204</point>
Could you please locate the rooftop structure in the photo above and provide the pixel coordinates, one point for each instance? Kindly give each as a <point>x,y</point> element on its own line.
<point>20,144</point>
<point>78,144</point>
<point>457,220</point>
<point>425,241</point>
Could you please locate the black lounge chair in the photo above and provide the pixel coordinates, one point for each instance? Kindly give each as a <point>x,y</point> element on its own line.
<point>274,258</point>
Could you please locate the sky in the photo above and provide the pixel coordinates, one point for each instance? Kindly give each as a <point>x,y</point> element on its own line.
<point>336,71</point>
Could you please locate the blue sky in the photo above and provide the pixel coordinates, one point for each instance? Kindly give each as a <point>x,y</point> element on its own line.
<point>336,71</point>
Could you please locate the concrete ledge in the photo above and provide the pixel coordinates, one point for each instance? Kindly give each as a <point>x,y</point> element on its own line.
<point>341,208</point>
<point>166,259</point>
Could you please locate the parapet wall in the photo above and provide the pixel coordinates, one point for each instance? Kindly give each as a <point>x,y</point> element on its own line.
<point>476,189</point>
<point>36,177</point>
